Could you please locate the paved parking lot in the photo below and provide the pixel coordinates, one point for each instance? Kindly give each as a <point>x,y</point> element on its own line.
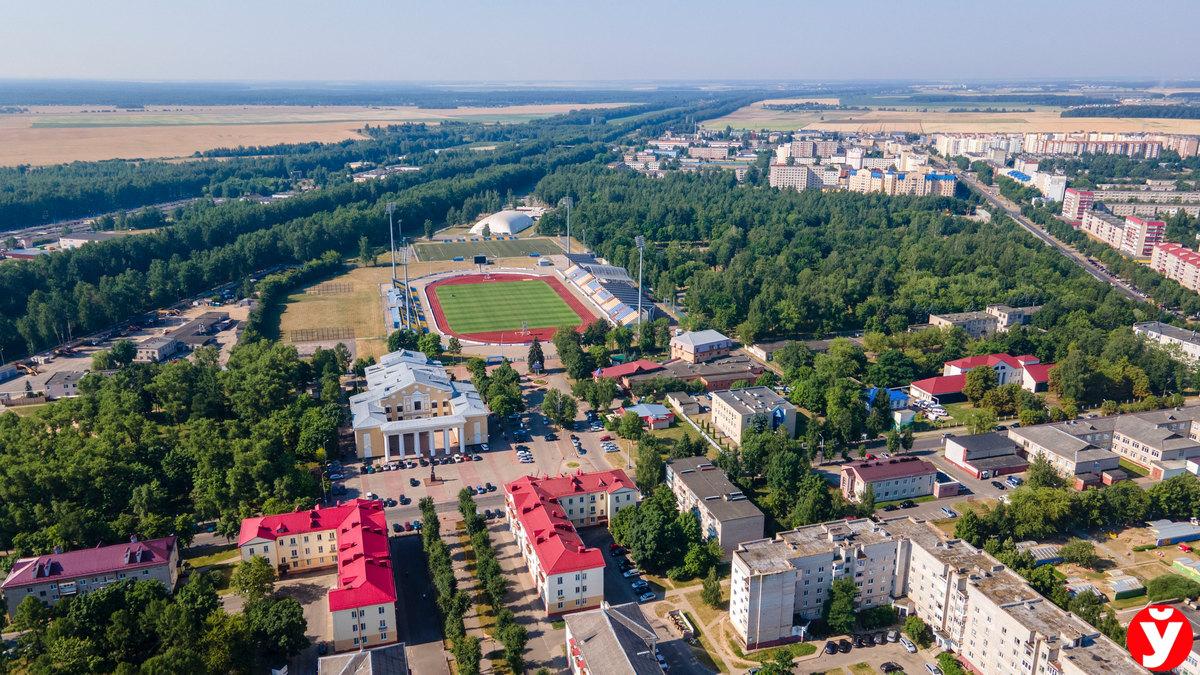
<point>875,656</point>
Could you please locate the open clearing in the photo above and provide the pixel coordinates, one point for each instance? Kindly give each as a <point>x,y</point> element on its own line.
<point>503,306</point>
<point>500,248</point>
<point>755,116</point>
<point>53,134</point>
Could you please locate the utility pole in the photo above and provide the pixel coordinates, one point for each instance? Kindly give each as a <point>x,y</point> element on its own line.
<point>407,292</point>
<point>391,208</point>
<point>568,202</point>
<point>641,246</point>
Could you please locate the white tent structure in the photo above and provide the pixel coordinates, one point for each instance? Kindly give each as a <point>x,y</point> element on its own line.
<point>504,223</point>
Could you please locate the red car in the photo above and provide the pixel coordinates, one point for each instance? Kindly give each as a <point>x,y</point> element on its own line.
<point>1185,548</point>
<point>606,437</point>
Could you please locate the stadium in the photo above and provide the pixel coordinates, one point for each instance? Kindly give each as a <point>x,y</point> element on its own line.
<point>503,308</point>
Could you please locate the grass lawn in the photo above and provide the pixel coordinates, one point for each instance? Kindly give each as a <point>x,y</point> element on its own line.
<point>228,555</point>
<point>1133,468</point>
<point>862,668</point>
<point>503,305</point>
<point>504,248</point>
<point>705,613</point>
<point>26,410</point>
<point>918,500</point>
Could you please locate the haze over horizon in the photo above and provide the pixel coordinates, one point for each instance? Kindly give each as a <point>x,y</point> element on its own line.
<point>559,41</point>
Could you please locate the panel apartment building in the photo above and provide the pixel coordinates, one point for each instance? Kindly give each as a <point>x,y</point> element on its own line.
<point>796,176</point>
<point>544,513</point>
<point>735,409</point>
<point>912,183</point>
<point>1132,235</point>
<point>1171,337</point>
<point>724,512</point>
<point>350,537</point>
<point>975,606</point>
<point>1177,262</point>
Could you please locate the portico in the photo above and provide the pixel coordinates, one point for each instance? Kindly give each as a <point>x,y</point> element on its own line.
<point>423,437</point>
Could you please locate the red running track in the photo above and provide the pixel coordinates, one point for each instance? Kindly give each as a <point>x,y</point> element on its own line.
<point>508,337</point>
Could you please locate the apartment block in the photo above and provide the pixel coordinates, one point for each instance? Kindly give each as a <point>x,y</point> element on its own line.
<point>351,537</point>
<point>724,512</point>
<point>734,410</point>
<point>1187,342</point>
<point>1177,262</point>
<point>412,406</point>
<point>914,183</point>
<point>796,176</point>
<point>544,512</point>
<point>704,152</point>
<point>1076,203</point>
<point>1132,235</point>
<point>975,606</point>
<point>55,576</point>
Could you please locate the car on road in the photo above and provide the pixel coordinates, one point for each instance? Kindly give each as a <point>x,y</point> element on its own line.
<point>948,512</point>
<point>844,646</point>
<point>646,597</point>
<point>890,667</point>
<point>662,662</point>
<point>831,647</point>
<point>631,572</point>
<point>998,485</point>
<point>908,645</point>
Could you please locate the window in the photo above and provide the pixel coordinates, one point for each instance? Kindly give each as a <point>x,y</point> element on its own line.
<point>381,609</point>
<point>383,636</point>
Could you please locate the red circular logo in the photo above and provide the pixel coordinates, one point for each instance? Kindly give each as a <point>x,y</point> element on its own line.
<point>1159,638</point>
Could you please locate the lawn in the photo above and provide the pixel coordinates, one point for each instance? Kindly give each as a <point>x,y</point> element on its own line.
<point>1133,468</point>
<point>503,305</point>
<point>497,248</point>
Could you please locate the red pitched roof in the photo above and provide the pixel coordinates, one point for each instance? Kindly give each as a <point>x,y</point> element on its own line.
<point>631,368</point>
<point>942,384</point>
<point>870,471</point>
<point>1040,372</point>
<point>364,563</point>
<point>555,542</point>
<point>84,562</point>
<point>992,360</point>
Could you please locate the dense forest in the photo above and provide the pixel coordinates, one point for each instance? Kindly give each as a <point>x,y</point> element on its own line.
<point>1171,111</point>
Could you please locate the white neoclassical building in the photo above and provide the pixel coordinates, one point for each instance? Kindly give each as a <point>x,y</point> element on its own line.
<point>413,408</point>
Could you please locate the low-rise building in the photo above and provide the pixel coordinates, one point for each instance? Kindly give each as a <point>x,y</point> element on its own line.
<point>724,512</point>
<point>719,373</point>
<point>1185,342</point>
<point>1178,263</point>
<point>412,406</point>
<point>653,415</point>
<point>543,514</point>
<point>994,319</point>
<point>683,402</point>
<point>985,455</point>
<point>351,537</point>
<point>64,384</point>
<point>611,639</point>
<point>700,345</point>
<point>1025,370</point>
<point>888,479</point>
<point>58,575</point>
<point>76,239</point>
<point>735,410</point>
<point>1074,448</point>
<point>386,660</point>
<point>157,349</point>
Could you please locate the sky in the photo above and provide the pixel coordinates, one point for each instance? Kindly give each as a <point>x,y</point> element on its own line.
<point>597,40</point>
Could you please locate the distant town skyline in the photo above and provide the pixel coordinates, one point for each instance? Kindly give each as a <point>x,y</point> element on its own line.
<point>556,41</point>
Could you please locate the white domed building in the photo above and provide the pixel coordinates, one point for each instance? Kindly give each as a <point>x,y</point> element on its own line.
<point>505,222</point>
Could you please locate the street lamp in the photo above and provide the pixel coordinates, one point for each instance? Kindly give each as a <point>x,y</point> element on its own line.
<point>640,241</point>
<point>407,292</point>
<point>391,208</point>
<point>568,202</point>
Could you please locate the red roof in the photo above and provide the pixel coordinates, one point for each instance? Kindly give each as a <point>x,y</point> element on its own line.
<point>1040,372</point>
<point>364,560</point>
<point>60,567</point>
<point>942,384</point>
<point>631,368</point>
<point>1179,251</point>
<point>555,542</point>
<point>992,360</point>
<point>870,471</point>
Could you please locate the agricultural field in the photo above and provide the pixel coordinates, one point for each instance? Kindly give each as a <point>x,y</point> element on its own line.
<point>497,248</point>
<point>503,306</point>
<point>54,134</point>
<point>938,118</point>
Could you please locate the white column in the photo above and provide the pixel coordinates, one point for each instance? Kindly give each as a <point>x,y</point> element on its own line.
<point>446,439</point>
<point>387,448</point>
<point>462,432</point>
<point>429,435</point>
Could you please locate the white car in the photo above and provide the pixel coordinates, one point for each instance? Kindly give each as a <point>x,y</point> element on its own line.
<point>908,645</point>
<point>948,513</point>
<point>662,663</point>
<point>483,447</point>
<point>933,670</point>
<point>631,572</point>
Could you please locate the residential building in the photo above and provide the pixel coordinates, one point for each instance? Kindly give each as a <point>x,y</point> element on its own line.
<point>915,183</point>
<point>994,318</point>
<point>1160,441</point>
<point>724,512</point>
<point>76,239</point>
<point>386,660</point>
<point>734,410</point>
<point>1076,203</point>
<point>700,345</point>
<point>58,575</point>
<point>704,152</point>
<point>1177,262</point>
<point>1091,144</point>
<point>64,384</point>
<point>411,406</point>
<point>351,537</point>
<point>985,455</point>
<point>987,614</point>
<point>157,349</point>
<point>1124,193</point>
<point>611,640</point>
<point>653,415</point>
<point>543,514</point>
<point>796,176</point>
<point>888,479</point>
<point>1132,235</point>
<point>1186,343</point>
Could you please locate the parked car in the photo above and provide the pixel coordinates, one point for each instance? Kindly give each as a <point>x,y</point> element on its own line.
<point>490,487</point>
<point>890,507</point>
<point>907,504</point>
<point>417,525</point>
<point>372,496</point>
<point>933,670</point>
<point>831,647</point>
<point>646,597</point>
<point>551,436</point>
<point>397,527</point>
<point>908,645</point>
<point>844,646</point>
<point>523,448</point>
<point>616,549</point>
<point>484,447</point>
<point>414,482</point>
<point>606,437</point>
<point>479,489</point>
<point>1185,548</point>
<point>336,476</point>
<point>631,572</point>
<point>404,501</point>
<point>893,635</point>
<point>998,485</point>
<point>1014,481</point>
<point>859,641</point>
<point>948,513</point>
<point>640,586</point>
<point>476,458</point>
<point>662,662</point>
<point>408,526</point>
<point>890,667</point>
<point>881,638</point>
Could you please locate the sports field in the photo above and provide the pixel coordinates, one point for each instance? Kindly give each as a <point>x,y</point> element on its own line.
<point>505,248</point>
<point>504,305</point>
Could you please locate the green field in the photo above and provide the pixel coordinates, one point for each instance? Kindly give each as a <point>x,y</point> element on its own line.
<point>503,305</point>
<point>507,248</point>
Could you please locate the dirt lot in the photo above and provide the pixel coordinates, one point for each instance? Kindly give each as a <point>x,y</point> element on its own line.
<point>754,116</point>
<point>53,134</point>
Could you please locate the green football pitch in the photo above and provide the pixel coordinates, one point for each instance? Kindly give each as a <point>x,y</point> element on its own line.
<point>503,305</point>
<point>501,248</point>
